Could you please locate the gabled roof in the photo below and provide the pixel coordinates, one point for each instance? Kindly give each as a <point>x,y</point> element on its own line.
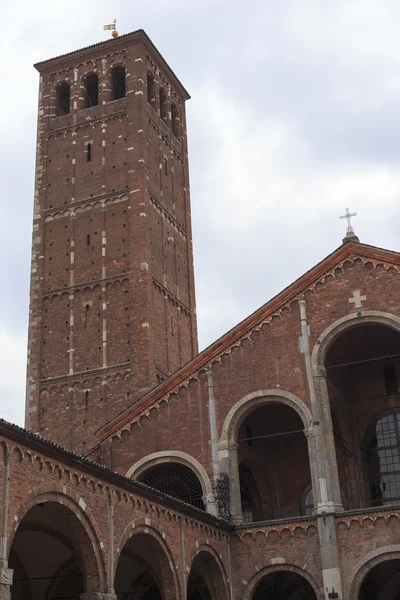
<point>243,329</point>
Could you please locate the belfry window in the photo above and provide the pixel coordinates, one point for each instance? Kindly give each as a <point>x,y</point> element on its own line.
<point>382,457</point>
<point>63,96</point>
<point>175,120</point>
<point>163,105</point>
<point>92,90</point>
<point>118,82</point>
<point>150,89</point>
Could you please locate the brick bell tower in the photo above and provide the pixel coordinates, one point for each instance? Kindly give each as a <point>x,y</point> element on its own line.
<point>112,309</point>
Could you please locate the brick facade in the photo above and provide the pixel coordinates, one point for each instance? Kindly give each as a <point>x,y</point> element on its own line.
<point>289,423</point>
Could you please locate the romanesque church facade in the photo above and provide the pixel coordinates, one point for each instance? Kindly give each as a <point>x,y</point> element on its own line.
<point>265,467</point>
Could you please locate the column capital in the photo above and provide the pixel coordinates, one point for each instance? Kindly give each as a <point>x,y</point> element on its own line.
<point>6,576</point>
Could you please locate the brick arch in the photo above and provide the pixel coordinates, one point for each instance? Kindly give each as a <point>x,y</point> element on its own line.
<point>255,580</point>
<point>318,358</point>
<point>334,330</point>
<point>365,565</point>
<point>218,571</point>
<point>257,399</point>
<point>167,456</point>
<point>149,527</point>
<point>89,537</point>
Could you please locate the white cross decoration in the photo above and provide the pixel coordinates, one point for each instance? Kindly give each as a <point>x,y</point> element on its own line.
<point>357,299</point>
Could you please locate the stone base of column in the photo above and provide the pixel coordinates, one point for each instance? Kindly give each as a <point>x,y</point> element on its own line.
<point>96,596</point>
<point>6,578</point>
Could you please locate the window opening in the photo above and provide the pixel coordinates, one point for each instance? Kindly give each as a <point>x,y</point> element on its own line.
<point>86,399</point>
<point>163,105</point>
<point>391,386</point>
<point>88,240</point>
<point>382,455</point>
<point>165,166</point>
<point>150,89</point>
<point>118,82</point>
<point>89,152</point>
<point>177,481</point>
<point>86,315</point>
<point>92,90</point>
<point>63,96</point>
<point>175,120</point>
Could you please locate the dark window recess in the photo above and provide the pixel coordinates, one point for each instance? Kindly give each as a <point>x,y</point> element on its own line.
<point>86,399</point>
<point>92,90</point>
<point>150,89</point>
<point>86,315</point>
<point>175,120</point>
<point>391,386</point>
<point>249,436</point>
<point>118,82</point>
<point>88,240</point>
<point>163,105</point>
<point>63,96</point>
<point>89,152</point>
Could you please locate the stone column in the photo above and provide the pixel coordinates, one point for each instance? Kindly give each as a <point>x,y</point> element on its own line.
<point>6,579</point>
<point>228,463</point>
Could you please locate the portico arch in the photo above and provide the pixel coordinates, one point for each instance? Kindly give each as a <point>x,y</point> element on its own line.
<point>228,446</point>
<point>366,564</point>
<point>175,456</point>
<point>366,326</point>
<point>252,585</point>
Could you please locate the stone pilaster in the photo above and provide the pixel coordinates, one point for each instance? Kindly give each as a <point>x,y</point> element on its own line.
<point>6,579</point>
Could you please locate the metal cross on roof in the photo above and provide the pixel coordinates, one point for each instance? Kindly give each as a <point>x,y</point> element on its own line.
<point>348,216</point>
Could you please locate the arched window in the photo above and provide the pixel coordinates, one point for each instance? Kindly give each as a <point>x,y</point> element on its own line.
<point>92,90</point>
<point>177,481</point>
<point>382,458</point>
<point>307,501</point>
<point>118,82</point>
<point>163,105</point>
<point>175,120</point>
<point>150,90</point>
<point>63,96</point>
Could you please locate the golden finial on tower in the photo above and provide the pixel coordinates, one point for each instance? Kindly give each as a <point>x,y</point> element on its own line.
<point>112,27</point>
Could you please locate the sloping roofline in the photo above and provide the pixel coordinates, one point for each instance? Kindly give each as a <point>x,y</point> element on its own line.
<point>112,44</point>
<point>218,347</point>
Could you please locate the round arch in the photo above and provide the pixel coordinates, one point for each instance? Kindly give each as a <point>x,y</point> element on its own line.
<point>259,576</point>
<point>88,532</point>
<point>366,564</point>
<point>334,330</point>
<point>256,399</point>
<point>318,359</point>
<point>147,527</point>
<point>228,445</point>
<point>182,458</point>
<point>217,571</point>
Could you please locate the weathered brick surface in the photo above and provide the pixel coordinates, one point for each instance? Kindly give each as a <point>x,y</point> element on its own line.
<point>112,267</point>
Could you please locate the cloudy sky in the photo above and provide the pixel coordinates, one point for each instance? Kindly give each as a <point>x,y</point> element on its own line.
<point>295,115</point>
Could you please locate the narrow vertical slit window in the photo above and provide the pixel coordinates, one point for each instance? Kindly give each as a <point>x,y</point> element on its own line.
<point>89,152</point>
<point>88,240</point>
<point>86,399</point>
<point>86,315</point>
